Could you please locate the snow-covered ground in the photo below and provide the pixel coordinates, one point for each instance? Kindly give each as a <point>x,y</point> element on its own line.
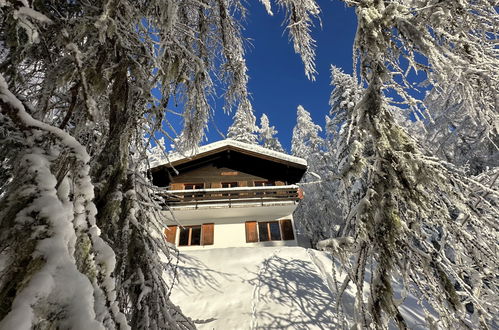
<point>264,288</point>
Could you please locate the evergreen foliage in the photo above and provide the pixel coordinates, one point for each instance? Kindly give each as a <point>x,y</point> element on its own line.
<point>266,135</point>
<point>305,140</point>
<point>458,136</point>
<point>244,126</point>
<point>409,216</point>
<point>312,214</point>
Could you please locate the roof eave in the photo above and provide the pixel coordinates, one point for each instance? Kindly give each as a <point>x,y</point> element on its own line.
<point>229,145</point>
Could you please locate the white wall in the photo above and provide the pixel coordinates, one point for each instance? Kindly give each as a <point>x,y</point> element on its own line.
<point>232,233</point>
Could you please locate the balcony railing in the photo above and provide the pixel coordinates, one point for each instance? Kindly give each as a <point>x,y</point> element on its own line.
<point>231,196</point>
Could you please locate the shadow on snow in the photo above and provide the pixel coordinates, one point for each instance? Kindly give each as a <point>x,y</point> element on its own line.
<point>304,301</point>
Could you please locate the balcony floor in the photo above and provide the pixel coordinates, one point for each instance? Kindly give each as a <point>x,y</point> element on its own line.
<point>235,213</point>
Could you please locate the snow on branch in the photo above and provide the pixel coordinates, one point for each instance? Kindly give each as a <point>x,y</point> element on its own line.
<point>299,15</point>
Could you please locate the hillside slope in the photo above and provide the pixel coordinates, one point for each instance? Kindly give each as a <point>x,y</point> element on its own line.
<point>265,288</point>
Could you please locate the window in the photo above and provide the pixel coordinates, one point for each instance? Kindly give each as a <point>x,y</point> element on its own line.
<point>196,235</point>
<point>229,185</point>
<point>287,229</point>
<point>263,232</point>
<point>190,186</point>
<point>264,183</point>
<point>193,186</point>
<point>269,231</point>
<point>190,236</point>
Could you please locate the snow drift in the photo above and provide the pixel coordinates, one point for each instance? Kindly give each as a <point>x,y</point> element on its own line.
<point>266,288</point>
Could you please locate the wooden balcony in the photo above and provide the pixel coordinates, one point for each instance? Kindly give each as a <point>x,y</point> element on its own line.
<point>232,196</point>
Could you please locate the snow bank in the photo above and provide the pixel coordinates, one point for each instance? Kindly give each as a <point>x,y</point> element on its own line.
<point>265,288</point>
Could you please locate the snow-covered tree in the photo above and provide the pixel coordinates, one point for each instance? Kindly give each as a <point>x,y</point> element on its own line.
<point>410,217</point>
<point>157,153</point>
<point>244,127</point>
<point>266,135</point>
<point>306,143</point>
<point>344,97</point>
<point>458,136</point>
<point>80,228</point>
<point>305,140</point>
<point>320,212</point>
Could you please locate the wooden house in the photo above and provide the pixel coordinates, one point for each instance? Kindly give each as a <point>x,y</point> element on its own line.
<point>230,194</point>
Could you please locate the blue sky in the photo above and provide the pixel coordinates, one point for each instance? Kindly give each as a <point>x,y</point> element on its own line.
<point>277,81</point>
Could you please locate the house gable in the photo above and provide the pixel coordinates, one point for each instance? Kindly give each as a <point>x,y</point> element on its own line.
<point>212,176</point>
<point>228,163</point>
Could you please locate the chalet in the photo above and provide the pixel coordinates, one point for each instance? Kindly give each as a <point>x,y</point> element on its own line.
<point>230,194</point>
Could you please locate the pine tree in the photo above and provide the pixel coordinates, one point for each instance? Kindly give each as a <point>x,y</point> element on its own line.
<point>306,143</point>
<point>319,214</point>
<point>244,126</point>
<point>157,153</point>
<point>305,140</point>
<point>266,135</point>
<point>408,214</point>
<point>344,97</point>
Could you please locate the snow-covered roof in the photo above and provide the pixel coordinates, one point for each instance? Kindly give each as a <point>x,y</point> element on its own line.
<point>177,158</point>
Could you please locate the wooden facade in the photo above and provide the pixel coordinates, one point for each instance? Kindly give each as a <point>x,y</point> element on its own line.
<point>211,176</point>
<point>227,166</point>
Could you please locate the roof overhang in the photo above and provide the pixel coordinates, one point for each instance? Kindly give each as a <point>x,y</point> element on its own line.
<point>232,145</point>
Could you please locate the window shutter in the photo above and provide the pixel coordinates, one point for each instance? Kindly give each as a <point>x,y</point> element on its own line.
<point>207,234</point>
<point>251,233</point>
<point>170,234</point>
<point>176,186</point>
<point>287,230</point>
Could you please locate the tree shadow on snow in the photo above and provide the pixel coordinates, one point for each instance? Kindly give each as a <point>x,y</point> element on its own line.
<point>290,294</point>
<point>194,276</point>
